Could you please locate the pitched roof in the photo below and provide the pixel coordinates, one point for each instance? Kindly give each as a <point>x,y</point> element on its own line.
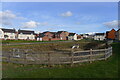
<point>41,35</point>
<point>110,30</point>
<point>8,30</point>
<point>45,31</point>
<point>71,34</point>
<point>50,32</point>
<point>53,32</point>
<point>59,32</point>
<point>99,33</point>
<point>84,34</point>
<point>25,32</point>
<point>113,29</point>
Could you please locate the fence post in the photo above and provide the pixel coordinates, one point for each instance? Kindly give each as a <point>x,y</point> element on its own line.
<point>111,51</point>
<point>25,59</point>
<point>9,58</point>
<point>13,51</point>
<point>90,55</point>
<point>49,59</point>
<point>105,54</point>
<point>72,58</point>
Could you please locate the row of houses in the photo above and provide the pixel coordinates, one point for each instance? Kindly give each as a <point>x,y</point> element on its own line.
<point>109,35</point>
<point>60,35</point>
<point>12,34</point>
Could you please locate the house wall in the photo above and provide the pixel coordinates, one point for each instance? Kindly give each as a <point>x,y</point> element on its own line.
<point>45,38</point>
<point>75,37</point>
<point>50,35</point>
<point>117,35</point>
<point>26,36</point>
<point>111,34</point>
<point>72,37</point>
<point>66,33</point>
<point>39,39</point>
<point>99,37</point>
<point>10,35</point>
<point>1,34</point>
<point>62,36</point>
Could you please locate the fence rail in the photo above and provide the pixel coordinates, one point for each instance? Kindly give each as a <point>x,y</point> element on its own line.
<point>22,56</point>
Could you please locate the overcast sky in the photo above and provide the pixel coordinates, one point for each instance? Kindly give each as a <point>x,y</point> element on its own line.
<point>79,17</point>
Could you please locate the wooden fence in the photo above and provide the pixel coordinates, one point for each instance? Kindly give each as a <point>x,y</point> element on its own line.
<point>51,57</point>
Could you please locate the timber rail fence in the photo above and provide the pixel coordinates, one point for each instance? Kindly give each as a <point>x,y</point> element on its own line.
<point>23,56</point>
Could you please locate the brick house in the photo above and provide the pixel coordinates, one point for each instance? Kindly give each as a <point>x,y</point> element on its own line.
<point>45,38</point>
<point>110,35</point>
<point>49,34</point>
<point>7,34</point>
<point>63,35</point>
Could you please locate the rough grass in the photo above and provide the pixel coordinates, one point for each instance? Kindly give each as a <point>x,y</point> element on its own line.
<point>97,69</point>
<point>24,41</point>
<point>55,46</point>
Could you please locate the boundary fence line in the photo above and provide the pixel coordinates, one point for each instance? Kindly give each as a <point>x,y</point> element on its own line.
<point>49,58</point>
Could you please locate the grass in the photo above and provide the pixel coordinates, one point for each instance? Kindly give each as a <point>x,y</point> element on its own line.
<point>97,69</point>
<point>30,41</point>
<point>53,46</point>
<point>25,41</point>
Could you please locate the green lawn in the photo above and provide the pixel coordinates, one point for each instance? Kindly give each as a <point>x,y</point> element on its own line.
<point>97,69</point>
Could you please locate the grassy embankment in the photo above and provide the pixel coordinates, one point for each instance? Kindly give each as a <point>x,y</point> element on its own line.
<point>84,45</point>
